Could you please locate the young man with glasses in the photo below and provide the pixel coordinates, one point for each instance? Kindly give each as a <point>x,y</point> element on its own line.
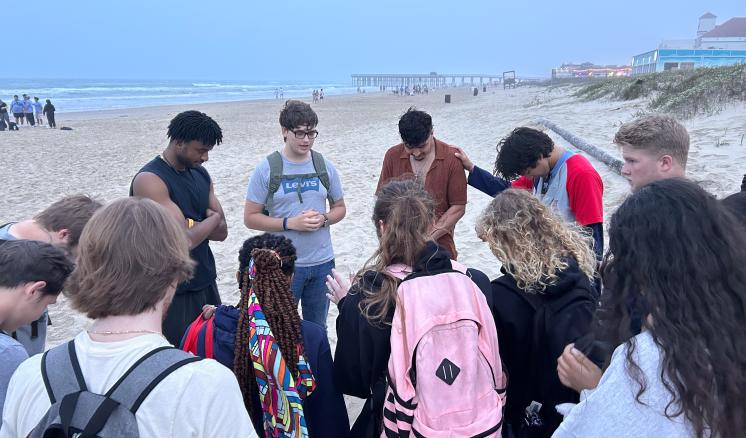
<point>288,193</point>
<point>433,163</point>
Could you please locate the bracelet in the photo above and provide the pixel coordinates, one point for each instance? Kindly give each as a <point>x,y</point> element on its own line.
<point>284,224</point>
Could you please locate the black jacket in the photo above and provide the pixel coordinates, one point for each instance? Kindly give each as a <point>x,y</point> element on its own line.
<point>532,374</point>
<point>363,349</point>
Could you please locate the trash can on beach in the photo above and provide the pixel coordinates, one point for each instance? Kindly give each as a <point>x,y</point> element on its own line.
<point>448,98</point>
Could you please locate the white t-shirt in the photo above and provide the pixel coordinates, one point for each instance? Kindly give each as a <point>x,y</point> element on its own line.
<point>200,399</point>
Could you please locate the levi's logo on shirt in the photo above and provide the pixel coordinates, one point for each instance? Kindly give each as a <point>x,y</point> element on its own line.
<point>309,184</point>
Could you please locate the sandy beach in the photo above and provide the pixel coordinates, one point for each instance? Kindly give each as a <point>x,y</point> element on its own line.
<point>105,149</point>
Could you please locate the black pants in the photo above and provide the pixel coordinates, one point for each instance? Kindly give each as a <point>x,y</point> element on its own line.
<point>30,119</point>
<point>185,308</point>
<point>50,119</point>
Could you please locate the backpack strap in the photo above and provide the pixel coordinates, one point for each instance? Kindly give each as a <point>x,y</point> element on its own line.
<point>275,179</point>
<point>319,165</point>
<point>61,372</point>
<point>135,385</point>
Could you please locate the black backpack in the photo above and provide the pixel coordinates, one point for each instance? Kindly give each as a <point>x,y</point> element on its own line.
<point>79,413</point>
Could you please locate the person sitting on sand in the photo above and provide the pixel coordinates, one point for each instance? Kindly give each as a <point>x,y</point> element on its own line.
<point>564,181</point>
<point>403,215</point>
<point>60,224</point>
<point>674,253</point>
<point>32,274</point>
<point>132,255</point>
<point>548,268</point>
<point>266,265</point>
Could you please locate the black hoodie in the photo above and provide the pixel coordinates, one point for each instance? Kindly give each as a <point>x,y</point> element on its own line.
<point>362,354</point>
<point>514,311</point>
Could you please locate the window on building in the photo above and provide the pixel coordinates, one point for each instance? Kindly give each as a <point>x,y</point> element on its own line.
<point>686,66</point>
<point>670,66</point>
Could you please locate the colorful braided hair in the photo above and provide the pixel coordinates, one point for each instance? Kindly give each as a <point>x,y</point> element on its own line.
<point>273,265</point>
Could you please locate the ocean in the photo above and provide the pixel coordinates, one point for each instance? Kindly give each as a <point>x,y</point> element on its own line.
<point>74,95</point>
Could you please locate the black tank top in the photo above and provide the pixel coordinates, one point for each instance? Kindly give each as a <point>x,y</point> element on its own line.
<point>189,189</point>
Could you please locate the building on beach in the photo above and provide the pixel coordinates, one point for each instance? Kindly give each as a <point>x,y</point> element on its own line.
<point>589,70</point>
<point>714,46</point>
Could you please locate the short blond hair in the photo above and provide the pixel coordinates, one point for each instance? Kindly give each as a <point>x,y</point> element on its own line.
<point>658,134</point>
<point>532,242</point>
<point>130,252</point>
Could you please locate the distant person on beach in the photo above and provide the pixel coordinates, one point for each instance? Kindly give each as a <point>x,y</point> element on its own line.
<point>676,256</point>
<point>277,93</point>
<point>49,112</point>
<point>282,93</point>
<point>321,95</point>
<point>653,147</point>
<point>28,110</point>
<point>563,180</point>
<point>402,216</point>
<point>32,274</point>
<point>60,224</point>
<point>266,266</point>
<point>433,163</point>
<point>177,180</point>
<point>132,255</point>
<point>548,272</point>
<point>16,107</point>
<point>4,113</point>
<point>288,193</point>
<point>38,111</point>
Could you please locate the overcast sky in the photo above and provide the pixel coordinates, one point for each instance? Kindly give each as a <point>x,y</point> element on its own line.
<point>329,40</point>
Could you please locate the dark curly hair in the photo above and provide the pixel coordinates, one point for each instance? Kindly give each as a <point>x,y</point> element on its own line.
<point>274,259</point>
<point>520,151</point>
<point>194,125</point>
<point>415,126</point>
<point>676,256</point>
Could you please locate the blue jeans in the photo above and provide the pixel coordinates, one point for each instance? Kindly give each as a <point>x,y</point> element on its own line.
<point>309,287</point>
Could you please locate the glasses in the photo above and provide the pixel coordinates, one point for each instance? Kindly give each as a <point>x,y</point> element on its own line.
<point>300,134</point>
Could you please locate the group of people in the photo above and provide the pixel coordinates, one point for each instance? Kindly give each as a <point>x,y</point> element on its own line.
<point>317,95</point>
<point>406,90</point>
<point>641,339</point>
<point>27,112</point>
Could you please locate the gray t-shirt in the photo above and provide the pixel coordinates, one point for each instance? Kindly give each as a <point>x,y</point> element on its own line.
<point>315,247</point>
<point>611,410</point>
<point>12,354</point>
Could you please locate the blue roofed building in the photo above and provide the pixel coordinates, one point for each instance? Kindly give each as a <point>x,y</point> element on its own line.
<point>714,46</point>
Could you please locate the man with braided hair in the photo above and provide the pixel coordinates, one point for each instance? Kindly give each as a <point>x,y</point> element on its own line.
<point>266,320</point>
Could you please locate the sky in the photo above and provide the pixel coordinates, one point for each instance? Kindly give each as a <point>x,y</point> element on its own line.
<point>329,40</point>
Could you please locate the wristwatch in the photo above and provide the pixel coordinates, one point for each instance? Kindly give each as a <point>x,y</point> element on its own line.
<point>326,220</point>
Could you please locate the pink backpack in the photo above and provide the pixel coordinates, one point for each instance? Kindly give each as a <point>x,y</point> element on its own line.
<point>445,377</point>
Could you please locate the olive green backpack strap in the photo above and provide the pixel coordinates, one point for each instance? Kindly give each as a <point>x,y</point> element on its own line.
<point>319,166</point>
<point>275,179</point>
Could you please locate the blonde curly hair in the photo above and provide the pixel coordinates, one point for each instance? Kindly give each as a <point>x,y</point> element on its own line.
<point>533,243</point>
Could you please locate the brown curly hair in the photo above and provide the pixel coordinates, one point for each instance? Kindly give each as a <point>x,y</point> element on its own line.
<point>274,258</point>
<point>532,243</point>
